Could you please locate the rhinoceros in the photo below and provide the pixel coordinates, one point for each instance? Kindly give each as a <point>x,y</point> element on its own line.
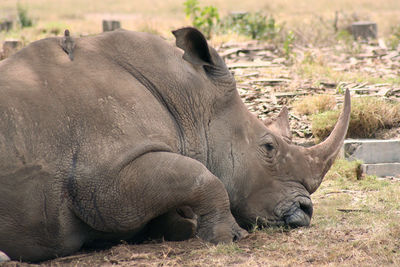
<point>136,136</point>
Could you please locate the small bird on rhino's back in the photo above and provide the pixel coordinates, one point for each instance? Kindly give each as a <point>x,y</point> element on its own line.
<point>68,44</point>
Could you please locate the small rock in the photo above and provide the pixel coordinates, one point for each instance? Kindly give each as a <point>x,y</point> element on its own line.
<point>279,60</point>
<point>3,257</point>
<point>111,25</point>
<point>10,47</point>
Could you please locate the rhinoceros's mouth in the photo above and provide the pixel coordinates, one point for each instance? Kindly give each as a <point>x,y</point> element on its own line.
<point>250,221</point>
<point>296,213</point>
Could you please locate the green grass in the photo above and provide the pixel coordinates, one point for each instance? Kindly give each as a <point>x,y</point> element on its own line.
<point>344,170</point>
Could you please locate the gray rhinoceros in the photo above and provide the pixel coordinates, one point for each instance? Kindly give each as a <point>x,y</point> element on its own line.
<point>137,136</point>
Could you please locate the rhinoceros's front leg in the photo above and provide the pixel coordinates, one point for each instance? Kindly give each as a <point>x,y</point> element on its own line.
<point>152,185</point>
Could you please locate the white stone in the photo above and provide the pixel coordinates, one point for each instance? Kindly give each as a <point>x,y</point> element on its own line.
<point>372,151</point>
<point>381,169</point>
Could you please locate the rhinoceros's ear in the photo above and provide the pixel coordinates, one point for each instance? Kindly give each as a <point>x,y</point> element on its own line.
<point>195,46</point>
<point>280,124</point>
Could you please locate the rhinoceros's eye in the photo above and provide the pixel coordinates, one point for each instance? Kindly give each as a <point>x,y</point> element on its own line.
<point>269,151</point>
<point>269,147</point>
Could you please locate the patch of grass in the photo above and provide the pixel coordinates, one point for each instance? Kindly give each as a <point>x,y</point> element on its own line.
<point>368,114</point>
<point>288,44</point>
<point>371,183</point>
<point>226,249</point>
<point>323,123</point>
<point>344,36</point>
<point>394,37</point>
<point>314,104</point>
<point>344,169</point>
<point>149,28</point>
<point>54,28</point>
<point>227,37</point>
<point>362,212</point>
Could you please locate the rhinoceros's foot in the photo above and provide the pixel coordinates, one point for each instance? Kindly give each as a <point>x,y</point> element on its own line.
<point>3,257</point>
<point>222,233</point>
<point>176,225</point>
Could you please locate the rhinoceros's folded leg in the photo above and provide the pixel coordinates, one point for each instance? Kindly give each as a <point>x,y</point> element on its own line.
<point>175,225</point>
<point>152,185</point>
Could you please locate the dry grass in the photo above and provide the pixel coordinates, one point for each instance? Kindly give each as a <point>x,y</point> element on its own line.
<point>368,114</point>
<point>314,104</point>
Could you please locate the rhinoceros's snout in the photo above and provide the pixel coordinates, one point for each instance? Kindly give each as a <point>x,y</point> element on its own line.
<point>299,214</point>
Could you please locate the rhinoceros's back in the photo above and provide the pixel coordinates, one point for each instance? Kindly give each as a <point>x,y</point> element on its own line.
<point>52,108</point>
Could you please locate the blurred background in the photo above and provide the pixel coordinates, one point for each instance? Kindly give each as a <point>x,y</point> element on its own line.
<point>312,20</point>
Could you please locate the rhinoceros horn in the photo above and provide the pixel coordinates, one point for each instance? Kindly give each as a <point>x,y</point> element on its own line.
<point>324,154</point>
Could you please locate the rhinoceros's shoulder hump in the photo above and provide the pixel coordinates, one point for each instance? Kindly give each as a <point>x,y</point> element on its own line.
<point>120,41</point>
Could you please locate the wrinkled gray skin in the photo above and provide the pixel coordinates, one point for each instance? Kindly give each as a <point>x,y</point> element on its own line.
<point>137,137</point>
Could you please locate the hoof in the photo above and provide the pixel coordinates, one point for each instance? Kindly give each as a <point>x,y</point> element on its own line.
<point>223,233</point>
<point>239,233</point>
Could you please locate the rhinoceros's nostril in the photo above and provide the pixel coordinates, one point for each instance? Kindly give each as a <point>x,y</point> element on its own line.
<point>307,208</point>
<point>300,214</point>
<point>235,238</point>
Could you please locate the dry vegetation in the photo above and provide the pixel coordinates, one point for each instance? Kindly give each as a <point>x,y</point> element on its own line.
<point>314,104</point>
<point>368,115</point>
<point>356,222</point>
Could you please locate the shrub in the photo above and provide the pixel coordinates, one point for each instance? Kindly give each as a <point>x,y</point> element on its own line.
<point>23,18</point>
<point>314,104</point>
<point>205,19</point>
<point>255,25</point>
<point>149,27</point>
<point>394,38</point>
<point>288,44</point>
<point>350,46</point>
<point>368,114</point>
